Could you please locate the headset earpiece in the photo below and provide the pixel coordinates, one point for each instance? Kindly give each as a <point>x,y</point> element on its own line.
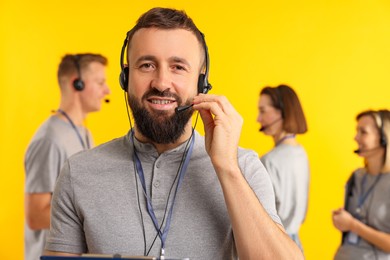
<point>280,99</point>
<point>203,81</point>
<point>203,85</point>
<point>123,78</point>
<point>78,83</point>
<point>383,139</point>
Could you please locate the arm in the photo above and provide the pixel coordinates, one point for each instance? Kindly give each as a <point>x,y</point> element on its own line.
<point>37,208</point>
<point>344,221</point>
<point>58,253</point>
<point>42,161</point>
<point>256,235</point>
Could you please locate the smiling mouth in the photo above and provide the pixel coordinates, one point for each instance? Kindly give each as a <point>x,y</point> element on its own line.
<point>161,101</point>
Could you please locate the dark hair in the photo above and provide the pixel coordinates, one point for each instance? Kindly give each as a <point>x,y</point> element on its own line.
<point>165,18</point>
<point>382,123</point>
<point>68,66</point>
<point>286,100</point>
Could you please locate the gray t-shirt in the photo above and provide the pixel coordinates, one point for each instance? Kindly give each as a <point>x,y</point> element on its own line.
<point>51,145</point>
<point>96,208</point>
<point>375,212</point>
<point>288,167</point>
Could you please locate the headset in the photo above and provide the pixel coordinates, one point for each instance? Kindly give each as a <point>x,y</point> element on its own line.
<point>78,83</point>
<point>203,83</point>
<point>383,139</point>
<point>280,99</point>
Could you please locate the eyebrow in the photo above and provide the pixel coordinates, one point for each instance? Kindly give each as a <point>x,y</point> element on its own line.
<point>180,60</point>
<point>146,58</point>
<point>154,59</point>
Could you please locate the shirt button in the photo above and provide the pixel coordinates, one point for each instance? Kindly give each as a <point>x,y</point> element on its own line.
<point>158,164</point>
<point>156,184</point>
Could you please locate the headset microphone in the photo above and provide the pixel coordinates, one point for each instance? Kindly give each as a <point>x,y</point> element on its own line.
<point>107,100</point>
<point>263,128</point>
<point>183,108</point>
<point>357,151</point>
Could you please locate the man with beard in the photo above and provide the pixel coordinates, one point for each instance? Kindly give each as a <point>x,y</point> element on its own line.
<point>163,190</point>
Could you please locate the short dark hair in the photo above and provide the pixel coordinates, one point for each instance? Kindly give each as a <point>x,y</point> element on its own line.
<point>165,18</point>
<point>68,66</point>
<point>286,100</point>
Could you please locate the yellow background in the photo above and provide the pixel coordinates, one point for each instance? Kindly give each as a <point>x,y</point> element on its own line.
<point>335,54</point>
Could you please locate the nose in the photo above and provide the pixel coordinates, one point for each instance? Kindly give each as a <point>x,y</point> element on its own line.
<point>107,90</point>
<point>356,138</point>
<point>162,80</point>
<point>259,118</point>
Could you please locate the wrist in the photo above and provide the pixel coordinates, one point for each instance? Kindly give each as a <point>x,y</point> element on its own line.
<point>354,225</point>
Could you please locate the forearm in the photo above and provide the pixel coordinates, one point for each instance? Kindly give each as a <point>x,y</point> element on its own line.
<point>256,235</point>
<point>58,253</point>
<point>377,238</point>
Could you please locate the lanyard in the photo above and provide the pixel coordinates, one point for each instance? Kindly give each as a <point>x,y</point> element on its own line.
<point>363,196</point>
<point>284,138</point>
<point>76,130</point>
<point>163,235</point>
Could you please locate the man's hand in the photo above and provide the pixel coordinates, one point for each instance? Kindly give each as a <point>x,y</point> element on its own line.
<point>222,125</point>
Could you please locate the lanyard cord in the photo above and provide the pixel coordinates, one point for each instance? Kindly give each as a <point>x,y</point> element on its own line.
<point>284,138</point>
<point>166,205</point>
<point>180,174</point>
<point>363,196</point>
<point>85,147</point>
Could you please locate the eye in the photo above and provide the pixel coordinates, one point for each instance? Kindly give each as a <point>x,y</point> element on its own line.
<point>178,67</point>
<point>147,66</point>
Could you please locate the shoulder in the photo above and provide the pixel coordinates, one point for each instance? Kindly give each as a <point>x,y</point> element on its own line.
<point>50,131</point>
<point>46,139</point>
<point>283,152</point>
<point>250,164</point>
<point>114,150</point>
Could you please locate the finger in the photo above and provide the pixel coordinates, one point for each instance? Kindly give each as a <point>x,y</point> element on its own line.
<point>222,102</point>
<point>213,107</point>
<point>207,118</point>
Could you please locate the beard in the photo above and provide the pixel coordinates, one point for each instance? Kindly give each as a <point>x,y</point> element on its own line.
<point>158,126</point>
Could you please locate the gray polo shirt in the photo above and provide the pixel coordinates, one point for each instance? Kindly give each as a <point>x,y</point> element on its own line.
<point>96,208</point>
<point>51,145</point>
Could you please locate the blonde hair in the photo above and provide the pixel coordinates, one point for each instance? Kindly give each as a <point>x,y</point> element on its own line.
<point>382,122</point>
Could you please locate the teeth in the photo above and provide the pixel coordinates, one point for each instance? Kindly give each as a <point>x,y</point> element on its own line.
<point>161,102</point>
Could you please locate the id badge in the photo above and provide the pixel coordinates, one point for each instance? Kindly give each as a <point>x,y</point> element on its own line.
<point>353,238</point>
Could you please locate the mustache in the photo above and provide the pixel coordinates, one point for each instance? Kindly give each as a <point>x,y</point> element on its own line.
<point>166,93</point>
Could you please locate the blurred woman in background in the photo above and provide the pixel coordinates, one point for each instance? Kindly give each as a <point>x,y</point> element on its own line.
<point>365,218</point>
<point>281,117</point>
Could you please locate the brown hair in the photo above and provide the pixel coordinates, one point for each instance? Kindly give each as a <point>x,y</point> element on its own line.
<point>382,122</point>
<point>165,18</point>
<point>286,100</point>
<point>70,62</point>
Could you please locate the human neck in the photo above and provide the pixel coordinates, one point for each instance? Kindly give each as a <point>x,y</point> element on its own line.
<point>285,138</point>
<point>161,148</point>
<point>374,164</point>
<point>74,111</point>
